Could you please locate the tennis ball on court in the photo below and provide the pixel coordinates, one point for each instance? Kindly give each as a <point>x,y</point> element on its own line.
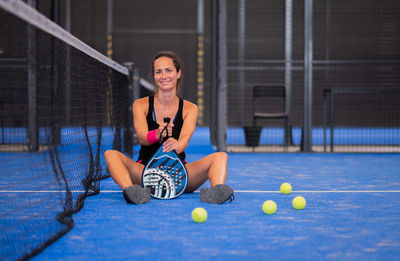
<point>269,207</point>
<point>199,215</point>
<point>286,188</point>
<point>299,202</point>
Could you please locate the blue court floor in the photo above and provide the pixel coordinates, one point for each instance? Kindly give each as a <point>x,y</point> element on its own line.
<point>352,213</point>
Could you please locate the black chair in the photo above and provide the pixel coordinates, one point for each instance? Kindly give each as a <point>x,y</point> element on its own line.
<point>275,94</point>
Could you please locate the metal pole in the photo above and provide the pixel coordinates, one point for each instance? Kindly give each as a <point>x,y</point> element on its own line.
<point>200,61</point>
<point>109,27</point>
<point>288,64</point>
<point>327,39</point>
<point>33,132</point>
<point>128,128</point>
<point>328,67</point>
<point>68,15</point>
<point>214,72</point>
<point>136,95</point>
<point>109,55</point>
<point>68,85</point>
<point>222,76</point>
<point>57,121</point>
<point>241,56</point>
<point>68,64</point>
<point>308,76</point>
<point>136,84</point>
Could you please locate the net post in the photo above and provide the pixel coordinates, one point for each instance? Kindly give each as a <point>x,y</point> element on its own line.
<point>136,84</point>
<point>136,95</point>
<point>128,128</point>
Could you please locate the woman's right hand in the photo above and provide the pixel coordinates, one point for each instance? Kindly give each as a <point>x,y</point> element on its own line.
<point>164,133</point>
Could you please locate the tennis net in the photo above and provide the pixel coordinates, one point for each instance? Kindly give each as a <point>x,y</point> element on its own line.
<point>62,105</point>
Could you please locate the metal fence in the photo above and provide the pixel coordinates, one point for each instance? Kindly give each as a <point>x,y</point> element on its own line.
<point>338,61</point>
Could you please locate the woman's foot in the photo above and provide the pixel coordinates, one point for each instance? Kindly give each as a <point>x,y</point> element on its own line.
<point>217,194</point>
<point>135,194</point>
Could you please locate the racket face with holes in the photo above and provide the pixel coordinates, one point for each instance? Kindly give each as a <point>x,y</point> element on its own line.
<point>165,175</point>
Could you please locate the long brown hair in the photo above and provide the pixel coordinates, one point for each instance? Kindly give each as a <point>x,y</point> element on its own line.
<point>177,63</point>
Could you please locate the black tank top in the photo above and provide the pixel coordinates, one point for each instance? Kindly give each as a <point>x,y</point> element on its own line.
<point>146,152</point>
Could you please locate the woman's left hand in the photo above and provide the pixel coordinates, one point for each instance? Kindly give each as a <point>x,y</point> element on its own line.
<point>170,145</point>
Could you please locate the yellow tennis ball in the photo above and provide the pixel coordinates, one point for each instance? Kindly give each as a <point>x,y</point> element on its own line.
<point>286,188</point>
<point>299,202</point>
<point>269,207</point>
<point>199,215</point>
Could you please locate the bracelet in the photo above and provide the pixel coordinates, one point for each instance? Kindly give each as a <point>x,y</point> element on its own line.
<point>152,136</point>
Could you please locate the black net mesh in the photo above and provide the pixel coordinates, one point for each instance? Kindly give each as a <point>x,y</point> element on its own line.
<point>58,116</point>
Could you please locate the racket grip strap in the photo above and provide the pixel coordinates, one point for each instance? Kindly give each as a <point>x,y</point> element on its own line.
<point>152,136</point>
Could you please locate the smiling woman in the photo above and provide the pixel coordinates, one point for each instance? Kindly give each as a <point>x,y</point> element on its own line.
<point>149,113</point>
<point>171,64</point>
<point>165,74</point>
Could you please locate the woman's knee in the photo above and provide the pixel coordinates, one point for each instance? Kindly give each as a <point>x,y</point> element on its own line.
<point>108,154</point>
<point>221,156</point>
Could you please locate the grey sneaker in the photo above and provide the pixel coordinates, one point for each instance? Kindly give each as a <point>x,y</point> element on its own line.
<point>217,194</point>
<point>135,194</point>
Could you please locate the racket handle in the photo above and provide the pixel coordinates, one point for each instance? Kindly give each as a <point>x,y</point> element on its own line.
<point>167,121</point>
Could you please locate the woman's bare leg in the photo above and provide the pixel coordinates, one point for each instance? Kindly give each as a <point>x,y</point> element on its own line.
<point>123,170</point>
<point>212,167</point>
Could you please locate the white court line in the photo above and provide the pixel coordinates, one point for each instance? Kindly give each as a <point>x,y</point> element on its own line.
<point>322,191</point>
<point>236,191</point>
<point>40,191</point>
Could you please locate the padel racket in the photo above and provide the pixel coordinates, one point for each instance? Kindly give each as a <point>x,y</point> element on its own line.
<point>165,174</point>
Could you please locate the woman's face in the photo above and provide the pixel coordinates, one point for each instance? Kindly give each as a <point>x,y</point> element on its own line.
<point>165,74</point>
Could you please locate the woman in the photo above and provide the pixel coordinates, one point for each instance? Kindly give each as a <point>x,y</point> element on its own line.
<point>148,114</point>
